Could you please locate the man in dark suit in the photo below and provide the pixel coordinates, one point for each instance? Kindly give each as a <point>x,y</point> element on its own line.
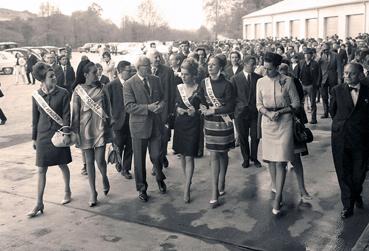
<point>246,114</point>
<point>69,75</point>
<point>31,61</point>
<point>331,68</point>
<point>350,136</point>
<point>168,87</point>
<point>122,136</point>
<point>144,101</point>
<point>59,74</point>
<point>102,78</point>
<point>310,76</point>
<point>234,67</point>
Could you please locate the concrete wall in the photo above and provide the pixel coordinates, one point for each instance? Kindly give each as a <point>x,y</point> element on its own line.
<point>341,11</point>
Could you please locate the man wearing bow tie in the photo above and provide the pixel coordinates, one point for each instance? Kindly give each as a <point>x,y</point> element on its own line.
<point>350,136</point>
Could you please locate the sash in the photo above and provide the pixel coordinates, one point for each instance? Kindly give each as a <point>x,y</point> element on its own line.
<point>95,107</point>
<point>184,98</point>
<point>214,100</point>
<point>49,111</point>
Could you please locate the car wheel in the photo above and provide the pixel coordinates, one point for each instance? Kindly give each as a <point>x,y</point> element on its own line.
<point>8,70</point>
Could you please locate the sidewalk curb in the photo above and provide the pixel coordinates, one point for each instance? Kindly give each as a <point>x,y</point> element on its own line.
<point>362,243</point>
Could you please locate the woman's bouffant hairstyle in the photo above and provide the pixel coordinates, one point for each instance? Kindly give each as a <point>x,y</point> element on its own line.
<point>222,60</point>
<point>191,65</point>
<point>39,71</point>
<point>86,68</point>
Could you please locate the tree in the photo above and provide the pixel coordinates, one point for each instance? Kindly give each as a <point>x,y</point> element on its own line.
<point>47,9</point>
<point>149,16</point>
<point>95,8</point>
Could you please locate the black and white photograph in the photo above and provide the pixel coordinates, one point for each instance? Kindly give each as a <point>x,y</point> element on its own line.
<point>184,125</point>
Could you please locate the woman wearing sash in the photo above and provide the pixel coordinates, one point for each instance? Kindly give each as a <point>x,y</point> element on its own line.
<point>219,134</point>
<point>54,100</point>
<point>91,122</point>
<point>187,122</point>
<point>276,99</point>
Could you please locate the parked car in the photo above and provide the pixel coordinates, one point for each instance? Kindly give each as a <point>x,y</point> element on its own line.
<point>7,45</point>
<point>7,62</point>
<point>23,51</point>
<point>85,48</point>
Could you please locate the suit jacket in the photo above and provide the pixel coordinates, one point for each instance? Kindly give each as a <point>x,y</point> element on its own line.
<point>315,73</point>
<point>69,77</point>
<point>167,82</point>
<point>31,61</point>
<point>229,71</point>
<point>136,100</point>
<point>350,123</point>
<point>343,56</point>
<point>119,114</point>
<point>331,69</point>
<point>245,93</point>
<point>59,73</point>
<point>104,79</point>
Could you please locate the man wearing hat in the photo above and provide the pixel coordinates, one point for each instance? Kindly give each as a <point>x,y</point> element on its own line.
<point>331,67</point>
<point>310,76</point>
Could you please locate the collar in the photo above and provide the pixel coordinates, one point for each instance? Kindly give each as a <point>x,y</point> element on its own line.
<point>217,77</point>
<point>43,94</point>
<point>121,79</point>
<point>142,78</point>
<point>246,73</point>
<point>355,86</point>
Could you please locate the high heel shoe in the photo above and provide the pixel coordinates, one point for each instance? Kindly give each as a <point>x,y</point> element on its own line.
<point>214,203</point>
<point>106,187</point>
<point>93,202</point>
<point>305,198</point>
<point>221,193</point>
<point>67,198</point>
<point>38,208</point>
<point>276,211</point>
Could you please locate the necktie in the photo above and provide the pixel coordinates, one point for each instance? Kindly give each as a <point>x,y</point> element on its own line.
<point>146,85</point>
<point>65,75</point>
<point>249,78</point>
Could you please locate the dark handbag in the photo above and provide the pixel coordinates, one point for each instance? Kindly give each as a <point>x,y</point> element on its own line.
<point>1,94</point>
<point>301,134</point>
<point>114,157</point>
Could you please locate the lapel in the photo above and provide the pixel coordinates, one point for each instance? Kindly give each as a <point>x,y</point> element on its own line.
<point>142,87</point>
<point>347,98</point>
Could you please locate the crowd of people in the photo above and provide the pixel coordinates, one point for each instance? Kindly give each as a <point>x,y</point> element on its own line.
<point>212,95</point>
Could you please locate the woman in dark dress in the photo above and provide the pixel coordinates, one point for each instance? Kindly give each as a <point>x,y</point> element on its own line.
<point>187,122</point>
<point>300,148</point>
<point>219,134</point>
<point>93,126</point>
<point>43,129</point>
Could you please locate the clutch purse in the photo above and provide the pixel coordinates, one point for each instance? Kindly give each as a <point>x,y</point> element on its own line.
<point>60,137</point>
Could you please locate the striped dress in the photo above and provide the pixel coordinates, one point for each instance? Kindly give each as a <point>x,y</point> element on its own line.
<point>219,135</point>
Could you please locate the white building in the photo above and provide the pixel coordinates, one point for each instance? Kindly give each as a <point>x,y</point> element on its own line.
<point>308,18</point>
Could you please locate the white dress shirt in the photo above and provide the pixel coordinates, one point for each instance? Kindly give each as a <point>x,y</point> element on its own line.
<point>355,94</point>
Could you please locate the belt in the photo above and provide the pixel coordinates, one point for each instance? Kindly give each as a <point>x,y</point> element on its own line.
<point>274,109</point>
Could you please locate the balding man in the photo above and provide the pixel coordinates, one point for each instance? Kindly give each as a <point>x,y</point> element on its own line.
<point>168,85</point>
<point>350,136</point>
<point>144,101</point>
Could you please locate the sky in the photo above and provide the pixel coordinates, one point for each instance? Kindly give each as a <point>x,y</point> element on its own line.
<point>180,14</point>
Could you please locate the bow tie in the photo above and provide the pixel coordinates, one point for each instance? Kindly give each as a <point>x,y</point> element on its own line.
<point>353,89</point>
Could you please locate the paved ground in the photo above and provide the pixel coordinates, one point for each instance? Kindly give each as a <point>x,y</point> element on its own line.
<point>121,222</point>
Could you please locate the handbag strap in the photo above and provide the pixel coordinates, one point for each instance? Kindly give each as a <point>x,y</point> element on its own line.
<point>214,100</point>
<point>49,111</point>
<point>95,107</point>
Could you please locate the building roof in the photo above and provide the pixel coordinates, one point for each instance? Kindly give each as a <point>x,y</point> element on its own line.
<point>295,5</point>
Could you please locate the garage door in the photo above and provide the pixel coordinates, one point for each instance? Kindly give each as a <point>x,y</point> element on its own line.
<point>295,28</point>
<point>355,25</point>
<point>249,34</point>
<point>280,29</point>
<point>312,28</point>
<point>331,26</point>
<point>258,31</point>
<point>268,30</point>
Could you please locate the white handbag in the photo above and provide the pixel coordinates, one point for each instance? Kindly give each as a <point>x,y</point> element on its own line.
<point>60,137</point>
